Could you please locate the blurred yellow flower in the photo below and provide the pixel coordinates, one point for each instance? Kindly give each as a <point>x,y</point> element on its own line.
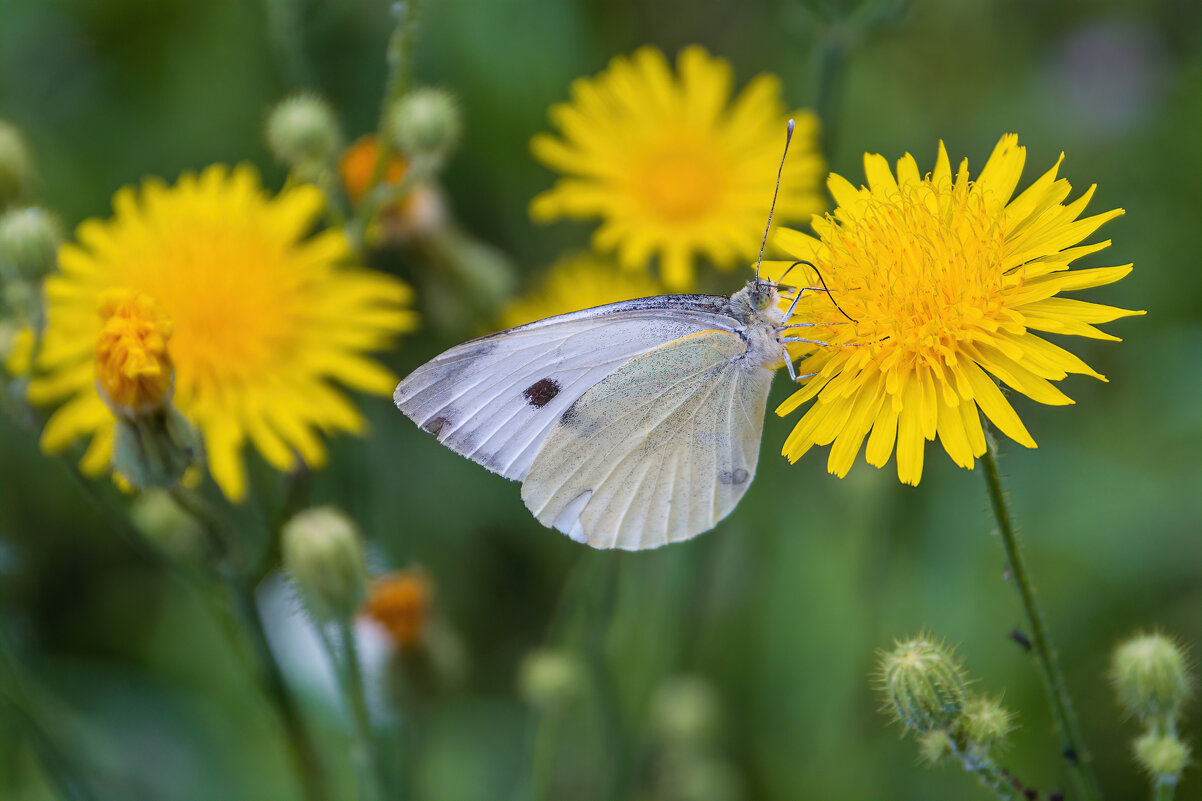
<point>945,279</point>
<point>671,166</point>
<point>577,281</point>
<point>400,602</point>
<point>265,319</point>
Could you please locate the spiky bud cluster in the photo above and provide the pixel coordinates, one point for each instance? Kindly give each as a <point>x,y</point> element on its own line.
<point>1152,682</point>
<point>923,684</point>
<point>425,122</point>
<point>302,131</point>
<point>323,553</point>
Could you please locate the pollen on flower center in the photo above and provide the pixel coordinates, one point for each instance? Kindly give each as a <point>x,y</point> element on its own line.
<point>133,370</point>
<point>938,284</point>
<point>679,184</point>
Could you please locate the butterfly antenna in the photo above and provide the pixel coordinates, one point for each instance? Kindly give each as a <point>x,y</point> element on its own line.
<point>775,192</point>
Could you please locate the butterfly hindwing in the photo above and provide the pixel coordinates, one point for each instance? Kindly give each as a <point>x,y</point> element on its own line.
<point>494,399</point>
<point>657,452</point>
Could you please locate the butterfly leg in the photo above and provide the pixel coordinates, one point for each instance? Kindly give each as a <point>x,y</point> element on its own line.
<point>793,376</point>
<point>820,343</point>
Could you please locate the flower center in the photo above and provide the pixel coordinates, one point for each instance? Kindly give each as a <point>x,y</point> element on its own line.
<point>680,181</point>
<point>234,306</point>
<point>921,270</point>
<point>133,370</point>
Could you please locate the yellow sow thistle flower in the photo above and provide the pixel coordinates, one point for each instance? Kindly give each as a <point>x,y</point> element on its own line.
<point>672,166</point>
<point>265,319</point>
<point>947,281</point>
<point>576,281</point>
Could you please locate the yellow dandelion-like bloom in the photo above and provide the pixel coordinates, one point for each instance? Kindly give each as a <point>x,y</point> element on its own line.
<point>577,281</point>
<point>671,167</point>
<point>264,319</point>
<point>948,281</point>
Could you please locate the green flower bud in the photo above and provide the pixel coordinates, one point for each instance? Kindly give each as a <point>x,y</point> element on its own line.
<point>923,684</point>
<point>425,122</point>
<point>154,448</point>
<point>167,527</point>
<point>29,240</point>
<point>985,723</point>
<point>685,711</point>
<point>935,746</point>
<point>324,555</point>
<point>301,131</point>
<point>1161,754</point>
<point>551,679</point>
<point>1150,676</point>
<point>16,164</point>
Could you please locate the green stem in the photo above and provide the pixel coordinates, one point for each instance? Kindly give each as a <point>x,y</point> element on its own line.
<point>43,737</point>
<point>366,757</point>
<point>831,55</point>
<point>301,747</point>
<point>240,594</point>
<point>1072,745</point>
<point>543,757</point>
<point>399,56</point>
<point>1165,788</point>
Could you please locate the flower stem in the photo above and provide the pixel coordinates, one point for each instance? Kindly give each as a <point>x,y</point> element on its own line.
<point>1067,728</point>
<point>1164,788</point>
<point>240,594</point>
<point>399,56</point>
<point>365,754</point>
<point>301,747</point>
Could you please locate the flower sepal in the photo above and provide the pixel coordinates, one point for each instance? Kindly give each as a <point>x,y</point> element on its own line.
<point>154,448</point>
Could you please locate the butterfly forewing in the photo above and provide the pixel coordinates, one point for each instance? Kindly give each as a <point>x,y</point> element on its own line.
<point>657,452</point>
<point>495,399</point>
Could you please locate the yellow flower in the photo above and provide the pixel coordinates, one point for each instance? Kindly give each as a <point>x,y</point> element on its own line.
<point>672,168</point>
<point>133,370</point>
<point>265,319</point>
<point>576,281</point>
<point>947,281</point>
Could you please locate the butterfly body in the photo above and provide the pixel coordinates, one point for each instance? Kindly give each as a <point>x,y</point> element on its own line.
<point>629,425</point>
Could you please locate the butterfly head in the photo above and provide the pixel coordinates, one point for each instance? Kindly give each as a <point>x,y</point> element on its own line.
<point>761,294</point>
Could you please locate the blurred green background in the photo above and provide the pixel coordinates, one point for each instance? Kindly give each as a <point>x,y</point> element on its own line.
<point>782,608</point>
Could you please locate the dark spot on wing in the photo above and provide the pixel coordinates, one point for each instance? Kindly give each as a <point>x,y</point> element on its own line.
<point>738,476</point>
<point>571,414</point>
<point>540,393</point>
<point>436,425</point>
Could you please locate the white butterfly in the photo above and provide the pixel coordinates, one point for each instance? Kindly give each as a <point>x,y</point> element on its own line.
<point>630,425</point>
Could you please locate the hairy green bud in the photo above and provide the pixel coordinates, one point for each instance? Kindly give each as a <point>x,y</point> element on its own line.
<point>29,240</point>
<point>301,131</point>
<point>935,746</point>
<point>425,122</point>
<point>323,553</point>
<point>923,684</point>
<point>685,711</point>
<point>16,164</point>
<point>167,527</point>
<point>985,724</point>
<point>1161,754</point>
<point>551,679</point>
<point>1150,676</point>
